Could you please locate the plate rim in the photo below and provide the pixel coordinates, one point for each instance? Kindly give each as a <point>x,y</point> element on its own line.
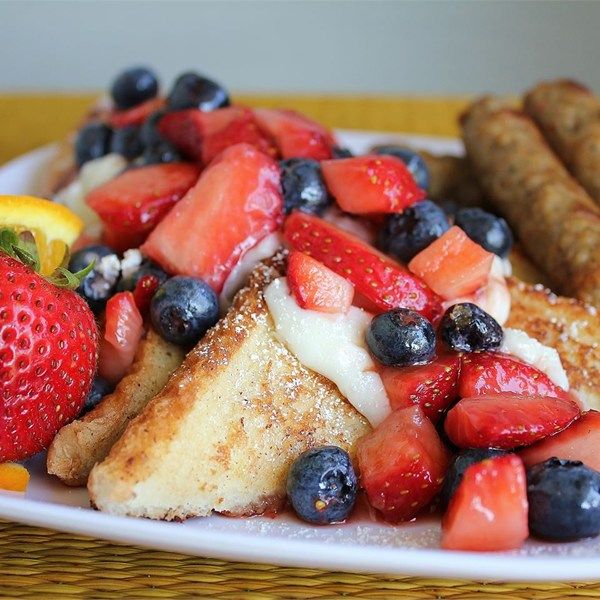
<point>248,546</point>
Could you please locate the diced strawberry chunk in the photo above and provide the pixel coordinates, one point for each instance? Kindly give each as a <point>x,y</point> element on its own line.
<point>433,387</point>
<point>136,115</point>
<point>402,464</point>
<point>123,331</point>
<point>185,129</point>
<point>484,373</point>
<point>242,128</point>
<point>315,287</point>
<point>201,136</point>
<point>488,512</point>
<point>371,184</point>
<point>580,441</point>
<point>133,203</point>
<point>235,204</point>
<point>379,279</point>
<point>145,288</point>
<point>454,265</point>
<point>296,136</point>
<point>507,421</point>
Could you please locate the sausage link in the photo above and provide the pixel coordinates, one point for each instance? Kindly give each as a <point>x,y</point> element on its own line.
<point>557,223</point>
<point>569,116</point>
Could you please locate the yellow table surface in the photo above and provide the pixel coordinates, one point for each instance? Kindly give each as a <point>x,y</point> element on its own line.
<point>39,563</point>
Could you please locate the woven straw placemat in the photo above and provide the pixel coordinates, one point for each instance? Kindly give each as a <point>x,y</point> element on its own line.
<point>40,563</point>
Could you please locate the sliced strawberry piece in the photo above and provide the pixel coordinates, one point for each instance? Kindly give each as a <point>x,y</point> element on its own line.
<point>315,287</point>
<point>185,129</point>
<point>242,128</point>
<point>402,464</point>
<point>123,331</point>
<point>484,373</point>
<point>201,136</point>
<point>145,288</point>
<point>133,203</point>
<point>379,279</point>
<point>580,441</point>
<point>235,204</point>
<point>433,387</point>
<point>454,265</point>
<point>488,512</point>
<point>507,421</point>
<point>371,184</point>
<point>136,115</point>
<point>296,136</point>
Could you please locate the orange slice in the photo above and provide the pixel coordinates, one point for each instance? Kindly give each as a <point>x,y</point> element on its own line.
<point>53,226</point>
<point>13,477</point>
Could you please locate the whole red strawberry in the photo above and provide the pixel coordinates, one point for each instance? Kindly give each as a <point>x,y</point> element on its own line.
<point>48,357</point>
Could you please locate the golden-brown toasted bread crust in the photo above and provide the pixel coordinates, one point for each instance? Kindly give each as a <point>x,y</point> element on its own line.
<point>568,325</point>
<point>223,432</point>
<point>557,223</point>
<point>79,445</point>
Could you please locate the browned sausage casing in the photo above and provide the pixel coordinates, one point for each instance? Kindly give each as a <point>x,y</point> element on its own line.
<point>557,222</point>
<point>569,116</point>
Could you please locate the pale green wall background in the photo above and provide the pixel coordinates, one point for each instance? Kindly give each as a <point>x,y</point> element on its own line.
<point>331,46</point>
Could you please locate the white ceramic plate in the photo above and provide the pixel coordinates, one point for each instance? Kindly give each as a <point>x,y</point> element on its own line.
<point>410,549</point>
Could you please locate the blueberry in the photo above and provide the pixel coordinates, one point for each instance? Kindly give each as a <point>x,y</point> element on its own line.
<point>161,152</point>
<point>146,268</point>
<point>488,230</point>
<point>183,309</point>
<point>414,162</point>
<point>134,86</point>
<point>191,90</point>
<point>93,141</point>
<point>303,186</point>
<point>340,152</point>
<point>564,500</point>
<point>404,235</point>
<point>126,141</point>
<point>457,469</point>
<point>465,327</point>
<point>100,284</point>
<point>82,258</point>
<point>322,485</point>
<point>401,337</point>
<point>450,207</point>
<point>149,134</point>
<point>100,388</point>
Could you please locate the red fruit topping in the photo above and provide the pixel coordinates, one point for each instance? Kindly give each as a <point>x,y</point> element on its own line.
<point>433,387</point>
<point>203,135</point>
<point>136,115</point>
<point>402,464</point>
<point>580,441</point>
<point>242,128</point>
<point>316,287</point>
<point>235,204</point>
<point>454,265</point>
<point>123,331</point>
<point>133,203</point>
<point>488,512</point>
<point>379,279</point>
<point>507,421</point>
<point>296,136</point>
<point>48,358</point>
<point>145,288</point>
<point>371,184</point>
<point>185,130</point>
<point>484,373</point>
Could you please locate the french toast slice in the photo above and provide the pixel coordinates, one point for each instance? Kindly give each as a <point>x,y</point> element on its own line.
<point>86,441</point>
<point>223,432</point>
<point>569,325</point>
